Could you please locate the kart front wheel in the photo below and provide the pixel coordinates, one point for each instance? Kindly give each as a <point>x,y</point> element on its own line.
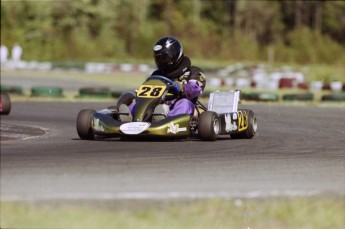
<point>208,126</point>
<point>84,128</point>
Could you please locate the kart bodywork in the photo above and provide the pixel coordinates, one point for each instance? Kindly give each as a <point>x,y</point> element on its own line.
<point>220,118</point>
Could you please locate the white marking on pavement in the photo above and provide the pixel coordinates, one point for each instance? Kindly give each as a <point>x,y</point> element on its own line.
<point>154,195</point>
<point>19,136</point>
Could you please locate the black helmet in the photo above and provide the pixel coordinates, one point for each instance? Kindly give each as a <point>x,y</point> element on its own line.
<point>168,54</point>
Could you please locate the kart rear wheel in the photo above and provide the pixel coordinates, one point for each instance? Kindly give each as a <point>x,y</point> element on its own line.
<point>251,130</point>
<point>84,128</point>
<point>5,104</point>
<point>208,126</point>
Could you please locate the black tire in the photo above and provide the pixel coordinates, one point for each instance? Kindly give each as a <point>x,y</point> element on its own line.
<point>5,103</point>
<point>338,97</point>
<point>99,92</point>
<point>208,126</point>
<point>47,91</point>
<point>299,97</point>
<point>11,89</point>
<point>251,130</point>
<point>264,97</point>
<point>84,128</point>
<point>125,98</point>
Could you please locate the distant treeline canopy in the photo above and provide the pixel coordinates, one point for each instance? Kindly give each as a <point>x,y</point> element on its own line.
<point>107,30</point>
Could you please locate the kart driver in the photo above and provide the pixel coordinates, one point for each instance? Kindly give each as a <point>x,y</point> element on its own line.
<point>189,81</point>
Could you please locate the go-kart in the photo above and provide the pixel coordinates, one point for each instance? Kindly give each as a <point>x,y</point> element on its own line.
<point>220,118</point>
<point>5,104</point>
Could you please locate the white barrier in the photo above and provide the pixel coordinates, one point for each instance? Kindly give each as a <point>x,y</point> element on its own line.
<point>336,86</point>
<point>216,82</point>
<point>270,84</point>
<point>316,85</point>
<point>229,82</point>
<point>242,83</point>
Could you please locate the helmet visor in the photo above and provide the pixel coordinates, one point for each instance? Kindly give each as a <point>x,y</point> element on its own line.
<point>163,61</point>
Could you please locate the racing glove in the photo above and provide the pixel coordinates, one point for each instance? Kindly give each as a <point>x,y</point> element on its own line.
<point>174,91</point>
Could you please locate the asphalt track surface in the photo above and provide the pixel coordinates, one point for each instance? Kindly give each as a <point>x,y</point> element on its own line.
<point>297,151</point>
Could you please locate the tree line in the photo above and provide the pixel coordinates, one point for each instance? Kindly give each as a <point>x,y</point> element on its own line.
<point>235,30</point>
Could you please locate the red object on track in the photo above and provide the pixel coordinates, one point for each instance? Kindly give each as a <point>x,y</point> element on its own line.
<point>302,86</point>
<point>286,83</point>
<point>326,86</point>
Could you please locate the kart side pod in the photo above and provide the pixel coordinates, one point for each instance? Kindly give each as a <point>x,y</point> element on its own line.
<point>239,123</point>
<point>234,122</point>
<point>176,126</point>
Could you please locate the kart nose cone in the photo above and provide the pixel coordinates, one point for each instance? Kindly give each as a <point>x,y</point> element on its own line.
<point>133,128</point>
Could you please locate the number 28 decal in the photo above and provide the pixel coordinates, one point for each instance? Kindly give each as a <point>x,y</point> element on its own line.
<point>150,91</point>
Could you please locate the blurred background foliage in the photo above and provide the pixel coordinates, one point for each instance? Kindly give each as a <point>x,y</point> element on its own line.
<point>300,32</point>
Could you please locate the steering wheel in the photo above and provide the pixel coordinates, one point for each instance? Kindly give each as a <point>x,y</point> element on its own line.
<point>174,88</point>
<point>163,78</point>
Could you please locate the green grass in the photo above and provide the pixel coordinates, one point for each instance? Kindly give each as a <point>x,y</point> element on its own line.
<point>325,73</point>
<point>297,212</point>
